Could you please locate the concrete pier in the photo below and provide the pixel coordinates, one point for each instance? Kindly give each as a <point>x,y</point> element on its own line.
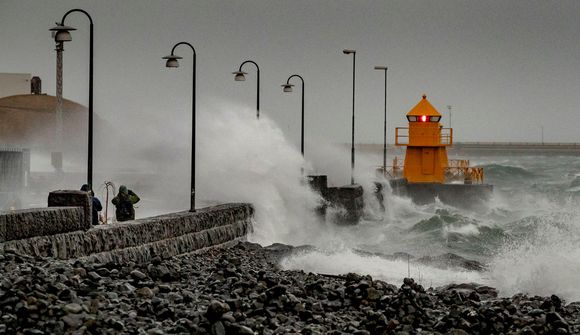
<point>458,195</point>
<point>347,201</point>
<point>59,232</point>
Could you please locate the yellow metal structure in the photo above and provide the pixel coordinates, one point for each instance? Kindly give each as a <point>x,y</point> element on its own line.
<point>459,170</point>
<point>426,141</point>
<point>426,154</point>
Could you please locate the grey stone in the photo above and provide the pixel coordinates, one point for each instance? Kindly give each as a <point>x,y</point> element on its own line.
<point>73,321</point>
<point>218,328</point>
<point>145,292</point>
<point>216,309</point>
<point>73,308</point>
<point>136,274</point>
<point>243,330</point>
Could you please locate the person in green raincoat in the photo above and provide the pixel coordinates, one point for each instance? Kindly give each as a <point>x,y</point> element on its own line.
<point>124,202</point>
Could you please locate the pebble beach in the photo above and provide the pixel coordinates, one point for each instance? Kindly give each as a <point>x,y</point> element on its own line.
<point>242,290</point>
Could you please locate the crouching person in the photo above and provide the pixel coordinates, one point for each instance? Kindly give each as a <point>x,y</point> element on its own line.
<point>124,202</point>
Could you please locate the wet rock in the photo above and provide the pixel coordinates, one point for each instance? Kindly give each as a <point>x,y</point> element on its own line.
<point>138,275</point>
<point>216,309</point>
<point>218,328</point>
<point>73,308</point>
<point>73,321</point>
<point>145,292</point>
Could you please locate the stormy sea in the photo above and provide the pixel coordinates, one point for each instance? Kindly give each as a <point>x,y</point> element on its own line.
<point>524,240</point>
<point>527,236</point>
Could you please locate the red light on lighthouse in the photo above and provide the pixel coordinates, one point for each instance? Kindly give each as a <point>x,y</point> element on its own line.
<point>423,118</point>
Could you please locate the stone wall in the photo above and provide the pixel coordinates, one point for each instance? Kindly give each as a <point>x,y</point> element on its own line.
<point>347,200</point>
<point>21,224</point>
<point>140,240</point>
<point>70,198</point>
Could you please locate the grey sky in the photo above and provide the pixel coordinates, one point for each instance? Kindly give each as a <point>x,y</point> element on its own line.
<point>507,67</point>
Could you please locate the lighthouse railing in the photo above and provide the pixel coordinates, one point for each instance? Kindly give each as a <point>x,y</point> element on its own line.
<point>447,136</point>
<point>465,174</point>
<point>444,138</point>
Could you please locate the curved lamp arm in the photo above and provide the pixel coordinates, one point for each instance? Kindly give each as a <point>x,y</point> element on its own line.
<point>181,43</point>
<point>250,61</point>
<point>79,11</point>
<point>295,76</point>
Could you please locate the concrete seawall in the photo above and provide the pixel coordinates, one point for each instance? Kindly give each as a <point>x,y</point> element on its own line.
<point>20,224</point>
<point>141,240</point>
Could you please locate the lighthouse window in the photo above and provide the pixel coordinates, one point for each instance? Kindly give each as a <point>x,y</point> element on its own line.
<point>423,118</point>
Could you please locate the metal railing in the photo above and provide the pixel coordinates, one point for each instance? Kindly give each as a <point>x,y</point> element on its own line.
<point>467,175</point>
<point>444,138</point>
<point>458,170</point>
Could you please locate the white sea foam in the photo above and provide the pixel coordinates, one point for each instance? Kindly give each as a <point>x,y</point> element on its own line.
<point>545,262</point>
<point>243,159</point>
<point>392,271</point>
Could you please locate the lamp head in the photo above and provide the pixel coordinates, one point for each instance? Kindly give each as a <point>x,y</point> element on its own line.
<point>61,33</point>
<point>239,75</point>
<point>348,51</point>
<point>381,67</point>
<point>172,61</point>
<point>287,87</point>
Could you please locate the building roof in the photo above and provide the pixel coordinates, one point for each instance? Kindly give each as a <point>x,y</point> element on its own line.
<point>29,121</point>
<point>42,103</point>
<point>424,107</point>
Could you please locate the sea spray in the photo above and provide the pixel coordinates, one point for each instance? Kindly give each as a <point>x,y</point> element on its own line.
<point>544,261</point>
<point>242,159</point>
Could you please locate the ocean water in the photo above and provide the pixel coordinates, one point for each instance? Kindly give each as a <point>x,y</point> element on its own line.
<point>527,235</point>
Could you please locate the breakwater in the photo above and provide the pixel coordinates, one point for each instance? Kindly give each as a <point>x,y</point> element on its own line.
<point>61,232</point>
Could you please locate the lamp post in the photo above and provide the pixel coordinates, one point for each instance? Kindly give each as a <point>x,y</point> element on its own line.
<point>384,68</point>
<point>240,76</point>
<point>173,62</point>
<point>353,52</point>
<point>449,108</point>
<point>288,88</point>
<point>62,34</point>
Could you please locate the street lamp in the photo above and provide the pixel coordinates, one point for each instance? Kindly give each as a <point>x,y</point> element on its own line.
<point>449,107</point>
<point>353,52</point>
<point>384,68</point>
<point>62,34</point>
<point>241,76</point>
<point>288,88</point>
<point>173,62</point>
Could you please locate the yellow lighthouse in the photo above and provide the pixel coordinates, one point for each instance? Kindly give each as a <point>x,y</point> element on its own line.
<point>427,173</point>
<point>426,141</point>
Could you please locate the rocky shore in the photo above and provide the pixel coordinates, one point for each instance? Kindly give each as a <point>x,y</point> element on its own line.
<point>242,291</point>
